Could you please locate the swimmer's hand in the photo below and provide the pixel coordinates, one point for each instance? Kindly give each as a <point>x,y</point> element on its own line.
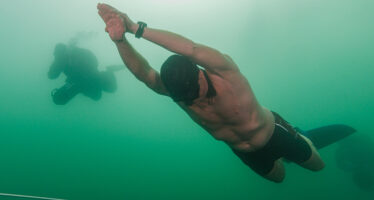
<point>117,23</point>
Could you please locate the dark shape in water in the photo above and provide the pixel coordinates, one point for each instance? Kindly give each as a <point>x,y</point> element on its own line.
<point>356,156</point>
<point>364,178</point>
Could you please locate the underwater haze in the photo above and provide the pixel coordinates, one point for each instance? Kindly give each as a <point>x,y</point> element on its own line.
<point>310,60</point>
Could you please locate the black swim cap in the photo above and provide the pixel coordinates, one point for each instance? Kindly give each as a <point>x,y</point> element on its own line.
<point>180,77</point>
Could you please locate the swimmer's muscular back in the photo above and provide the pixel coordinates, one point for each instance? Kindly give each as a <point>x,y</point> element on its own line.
<point>234,115</point>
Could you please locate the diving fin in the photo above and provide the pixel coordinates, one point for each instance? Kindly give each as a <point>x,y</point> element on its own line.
<point>326,135</point>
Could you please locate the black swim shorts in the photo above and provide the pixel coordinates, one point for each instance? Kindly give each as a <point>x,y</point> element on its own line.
<point>285,142</point>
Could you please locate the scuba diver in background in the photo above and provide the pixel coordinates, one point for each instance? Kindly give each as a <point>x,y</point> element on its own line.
<point>81,69</point>
<point>355,155</point>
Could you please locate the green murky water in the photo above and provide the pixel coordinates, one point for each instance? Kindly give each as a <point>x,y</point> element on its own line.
<point>311,61</point>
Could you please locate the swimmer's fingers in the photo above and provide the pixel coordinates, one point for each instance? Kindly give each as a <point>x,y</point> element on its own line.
<point>115,20</point>
<point>106,16</point>
<point>106,8</point>
<point>107,12</point>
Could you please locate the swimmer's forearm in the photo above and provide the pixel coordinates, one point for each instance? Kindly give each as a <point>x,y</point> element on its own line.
<point>140,67</point>
<point>135,62</point>
<point>170,41</point>
<point>202,55</point>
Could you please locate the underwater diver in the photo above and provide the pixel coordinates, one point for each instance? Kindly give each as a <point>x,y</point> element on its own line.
<point>355,155</point>
<point>217,97</point>
<point>80,67</point>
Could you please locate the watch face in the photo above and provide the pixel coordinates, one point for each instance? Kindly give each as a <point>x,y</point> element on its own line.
<point>140,31</point>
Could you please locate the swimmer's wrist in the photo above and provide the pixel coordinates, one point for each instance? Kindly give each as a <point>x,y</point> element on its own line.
<point>122,40</point>
<point>134,28</point>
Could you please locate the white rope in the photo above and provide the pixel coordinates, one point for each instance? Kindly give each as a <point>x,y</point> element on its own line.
<point>27,196</point>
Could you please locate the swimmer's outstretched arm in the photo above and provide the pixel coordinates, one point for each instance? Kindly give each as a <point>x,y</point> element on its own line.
<point>207,57</point>
<point>134,61</point>
<point>140,67</point>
